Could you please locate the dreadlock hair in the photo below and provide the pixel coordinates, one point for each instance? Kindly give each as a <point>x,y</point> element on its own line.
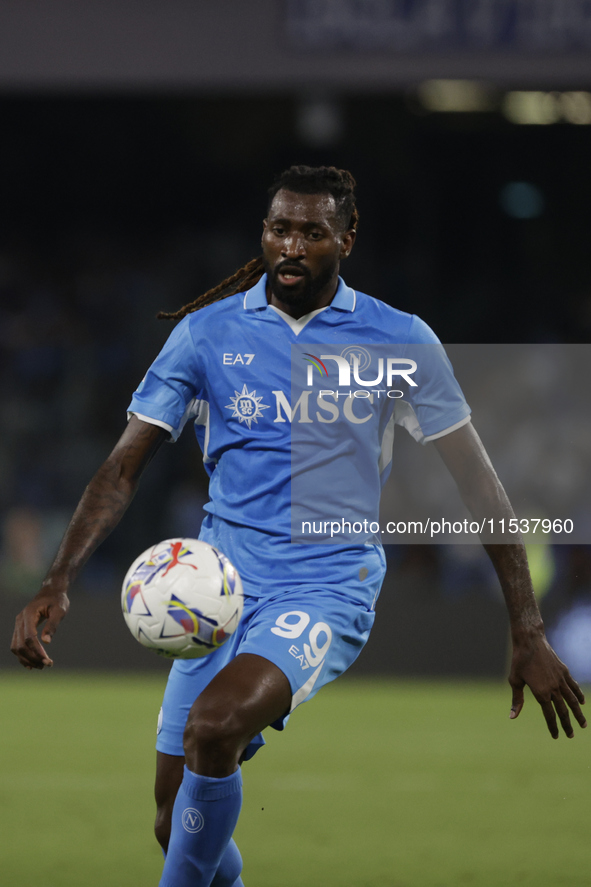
<point>301,180</point>
<point>322,180</point>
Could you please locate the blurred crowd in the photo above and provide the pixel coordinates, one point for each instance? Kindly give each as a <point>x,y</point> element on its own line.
<point>75,340</point>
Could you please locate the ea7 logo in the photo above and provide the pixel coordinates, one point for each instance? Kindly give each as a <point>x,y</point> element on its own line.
<point>230,359</point>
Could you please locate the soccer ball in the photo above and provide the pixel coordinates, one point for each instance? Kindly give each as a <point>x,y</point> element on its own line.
<point>182,598</point>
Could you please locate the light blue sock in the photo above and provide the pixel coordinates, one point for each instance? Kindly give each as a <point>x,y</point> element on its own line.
<point>228,873</point>
<point>204,816</point>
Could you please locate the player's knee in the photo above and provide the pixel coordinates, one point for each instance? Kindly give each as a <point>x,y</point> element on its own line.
<point>215,735</point>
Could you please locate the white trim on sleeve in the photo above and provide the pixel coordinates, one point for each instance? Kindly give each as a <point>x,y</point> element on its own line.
<point>151,421</point>
<point>191,412</point>
<point>406,417</point>
<point>449,430</point>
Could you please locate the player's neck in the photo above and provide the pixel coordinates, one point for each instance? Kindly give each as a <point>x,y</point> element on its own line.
<point>299,309</point>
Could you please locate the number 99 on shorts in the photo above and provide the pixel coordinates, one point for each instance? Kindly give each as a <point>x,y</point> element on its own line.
<point>292,625</point>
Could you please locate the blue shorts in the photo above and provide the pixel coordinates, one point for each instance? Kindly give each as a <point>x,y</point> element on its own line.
<point>312,634</point>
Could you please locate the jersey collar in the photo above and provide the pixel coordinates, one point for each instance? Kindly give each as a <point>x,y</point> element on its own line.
<point>345,298</point>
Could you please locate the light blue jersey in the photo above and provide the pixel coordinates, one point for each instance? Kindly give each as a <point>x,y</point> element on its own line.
<point>227,368</point>
<point>238,369</point>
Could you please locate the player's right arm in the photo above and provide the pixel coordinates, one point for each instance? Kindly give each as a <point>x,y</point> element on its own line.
<point>100,509</point>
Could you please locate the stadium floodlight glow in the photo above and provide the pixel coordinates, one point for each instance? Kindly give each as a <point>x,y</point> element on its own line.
<point>548,107</point>
<point>532,107</point>
<point>453,96</point>
<point>576,107</point>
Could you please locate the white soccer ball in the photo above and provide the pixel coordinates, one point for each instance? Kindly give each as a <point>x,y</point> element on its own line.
<point>182,598</point>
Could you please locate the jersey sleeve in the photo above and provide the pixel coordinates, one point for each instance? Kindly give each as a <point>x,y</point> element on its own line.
<point>168,395</point>
<point>435,406</point>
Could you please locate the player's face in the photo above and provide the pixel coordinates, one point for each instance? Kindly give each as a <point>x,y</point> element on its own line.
<point>303,244</point>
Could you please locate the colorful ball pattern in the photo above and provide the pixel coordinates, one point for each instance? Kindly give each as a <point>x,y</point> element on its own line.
<point>182,598</point>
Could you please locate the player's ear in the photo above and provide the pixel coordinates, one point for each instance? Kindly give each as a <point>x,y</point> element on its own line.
<point>348,241</point>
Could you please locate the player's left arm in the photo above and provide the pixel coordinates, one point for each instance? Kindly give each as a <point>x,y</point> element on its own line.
<point>534,662</point>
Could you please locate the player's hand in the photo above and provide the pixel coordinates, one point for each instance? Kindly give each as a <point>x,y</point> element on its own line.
<point>536,664</point>
<point>48,606</point>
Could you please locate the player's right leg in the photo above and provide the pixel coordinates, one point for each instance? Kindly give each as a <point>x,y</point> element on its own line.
<point>246,696</point>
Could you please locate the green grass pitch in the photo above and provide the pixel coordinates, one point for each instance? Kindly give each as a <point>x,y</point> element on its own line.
<point>375,783</point>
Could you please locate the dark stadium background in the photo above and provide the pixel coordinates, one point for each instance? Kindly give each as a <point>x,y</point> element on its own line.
<point>130,183</point>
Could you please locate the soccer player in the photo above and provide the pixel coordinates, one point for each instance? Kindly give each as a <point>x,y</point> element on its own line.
<point>308,608</point>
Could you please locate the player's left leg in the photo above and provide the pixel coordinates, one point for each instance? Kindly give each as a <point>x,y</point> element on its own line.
<point>169,775</point>
<point>242,699</point>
